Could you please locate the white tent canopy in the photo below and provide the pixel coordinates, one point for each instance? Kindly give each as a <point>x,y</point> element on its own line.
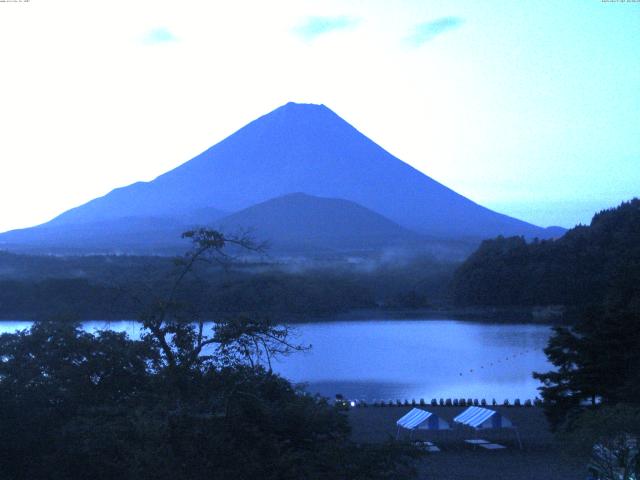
<point>418,419</point>
<point>482,418</point>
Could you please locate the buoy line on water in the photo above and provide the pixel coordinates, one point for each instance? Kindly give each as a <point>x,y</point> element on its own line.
<point>507,358</point>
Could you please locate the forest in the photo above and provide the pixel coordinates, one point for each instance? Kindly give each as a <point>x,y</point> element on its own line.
<point>107,287</point>
<point>583,267</point>
<point>592,395</point>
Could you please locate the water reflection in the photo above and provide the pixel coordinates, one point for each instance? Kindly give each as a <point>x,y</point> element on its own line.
<point>408,359</point>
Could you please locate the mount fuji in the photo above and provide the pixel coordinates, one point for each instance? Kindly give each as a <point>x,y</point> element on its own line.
<point>297,148</point>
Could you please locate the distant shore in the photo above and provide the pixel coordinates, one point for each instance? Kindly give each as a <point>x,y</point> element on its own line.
<point>541,315</point>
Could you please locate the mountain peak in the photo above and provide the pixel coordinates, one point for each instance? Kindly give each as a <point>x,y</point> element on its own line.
<point>304,106</point>
<point>305,112</point>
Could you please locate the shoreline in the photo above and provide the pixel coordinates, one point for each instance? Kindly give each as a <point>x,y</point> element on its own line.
<point>491,314</point>
<point>544,315</point>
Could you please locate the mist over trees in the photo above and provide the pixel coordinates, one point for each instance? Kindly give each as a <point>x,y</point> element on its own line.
<point>103,287</point>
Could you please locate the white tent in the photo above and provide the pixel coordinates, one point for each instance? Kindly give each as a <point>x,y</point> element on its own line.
<point>480,418</point>
<point>418,419</point>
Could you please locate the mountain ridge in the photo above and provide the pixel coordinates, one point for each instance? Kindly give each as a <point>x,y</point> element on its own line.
<point>302,148</point>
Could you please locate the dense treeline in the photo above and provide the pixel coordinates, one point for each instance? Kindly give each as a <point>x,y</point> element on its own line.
<point>583,267</point>
<point>108,287</point>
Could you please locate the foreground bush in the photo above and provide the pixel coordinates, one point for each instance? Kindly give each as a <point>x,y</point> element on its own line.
<point>74,405</point>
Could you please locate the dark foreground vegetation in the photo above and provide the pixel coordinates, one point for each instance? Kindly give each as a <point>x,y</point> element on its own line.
<point>76,406</point>
<point>592,397</point>
<point>180,403</point>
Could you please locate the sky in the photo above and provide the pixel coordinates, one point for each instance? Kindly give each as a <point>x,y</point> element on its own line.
<point>529,108</point>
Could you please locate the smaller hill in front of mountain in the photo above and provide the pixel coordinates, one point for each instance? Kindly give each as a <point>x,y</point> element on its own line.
<point>306,223</point>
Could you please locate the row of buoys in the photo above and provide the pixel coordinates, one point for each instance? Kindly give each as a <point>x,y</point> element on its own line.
<point>507,358</point>
<point>449,402</point>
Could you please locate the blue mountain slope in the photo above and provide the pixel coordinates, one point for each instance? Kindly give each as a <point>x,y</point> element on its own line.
<point>144,235</point>
<point>303,148</point>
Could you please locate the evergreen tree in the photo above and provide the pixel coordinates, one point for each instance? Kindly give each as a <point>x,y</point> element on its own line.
<point>597,363</point>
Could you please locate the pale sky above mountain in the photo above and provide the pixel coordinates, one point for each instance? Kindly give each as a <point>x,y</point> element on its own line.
<point>529,108</point>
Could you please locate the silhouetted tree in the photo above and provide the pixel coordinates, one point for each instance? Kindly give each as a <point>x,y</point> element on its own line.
<point>181,403</point>
<point>597,363</point>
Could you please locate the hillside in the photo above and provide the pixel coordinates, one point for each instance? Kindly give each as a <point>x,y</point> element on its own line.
<point>129,234</point>
<point>300,221</point>
<point>588,265</point>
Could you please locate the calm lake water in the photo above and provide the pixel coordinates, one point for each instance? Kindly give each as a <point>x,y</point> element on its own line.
<point>405,359</point>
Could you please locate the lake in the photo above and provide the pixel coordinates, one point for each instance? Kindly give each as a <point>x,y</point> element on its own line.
<point>405,359</point>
